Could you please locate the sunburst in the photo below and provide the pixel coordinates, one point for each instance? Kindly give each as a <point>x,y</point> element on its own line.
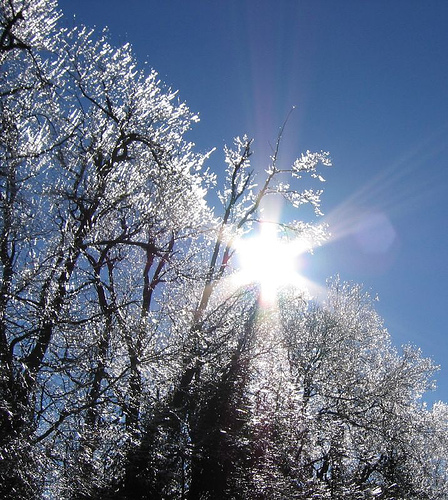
<point>270,261</point>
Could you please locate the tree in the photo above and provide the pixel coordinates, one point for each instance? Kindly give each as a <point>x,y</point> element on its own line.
<point>131,366</point>
<point>357,401</point>
<point>95,149</point>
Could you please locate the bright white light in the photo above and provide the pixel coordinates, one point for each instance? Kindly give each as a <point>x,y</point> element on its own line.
<point>269,261</point>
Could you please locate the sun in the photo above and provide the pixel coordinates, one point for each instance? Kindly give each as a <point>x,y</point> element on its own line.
<point>269,261</point>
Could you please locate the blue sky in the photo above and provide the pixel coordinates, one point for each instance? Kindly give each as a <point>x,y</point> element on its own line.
<point>370,82</point>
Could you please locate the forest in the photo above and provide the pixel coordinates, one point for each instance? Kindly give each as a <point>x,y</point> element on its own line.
<point>132,364</point>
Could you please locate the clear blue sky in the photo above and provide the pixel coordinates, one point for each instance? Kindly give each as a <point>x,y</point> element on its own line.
<point>370,82</point>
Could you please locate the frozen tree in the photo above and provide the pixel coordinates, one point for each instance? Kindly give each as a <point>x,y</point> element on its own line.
<point>104,241</point>
<point>131,366</point>
<point>102,201</point>
<point>347,421</point>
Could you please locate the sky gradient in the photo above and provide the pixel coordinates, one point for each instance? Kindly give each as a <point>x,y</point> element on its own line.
<point>369,82</point>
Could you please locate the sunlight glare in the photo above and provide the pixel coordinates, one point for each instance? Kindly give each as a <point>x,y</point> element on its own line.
<point>270,262</point>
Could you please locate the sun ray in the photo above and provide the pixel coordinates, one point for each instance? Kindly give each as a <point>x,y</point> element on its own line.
<point>393,191</point>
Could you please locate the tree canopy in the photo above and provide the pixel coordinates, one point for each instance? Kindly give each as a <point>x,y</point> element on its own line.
<point>133,366</point>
